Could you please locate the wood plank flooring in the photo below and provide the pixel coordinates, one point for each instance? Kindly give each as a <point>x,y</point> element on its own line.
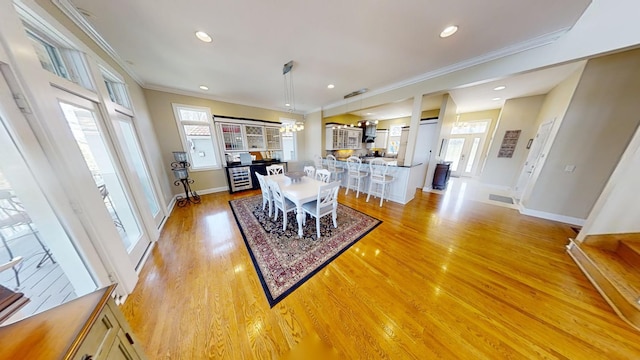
<point>442,277</point>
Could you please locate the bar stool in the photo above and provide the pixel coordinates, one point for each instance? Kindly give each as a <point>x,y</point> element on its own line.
<point>379,179</point>
<point>332,165</point>
<point>354,175</point>
<point>317,161</point>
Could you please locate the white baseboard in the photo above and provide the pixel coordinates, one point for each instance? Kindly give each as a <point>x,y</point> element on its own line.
<point>200,192</point>
<point>551,216</point>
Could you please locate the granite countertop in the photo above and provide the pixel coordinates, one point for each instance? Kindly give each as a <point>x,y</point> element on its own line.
<point>256,162</point>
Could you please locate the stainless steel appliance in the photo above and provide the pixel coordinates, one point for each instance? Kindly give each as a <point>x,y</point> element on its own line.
<point>240,178</point>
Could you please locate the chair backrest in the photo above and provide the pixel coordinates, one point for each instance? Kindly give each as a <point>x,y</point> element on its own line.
<point>323,175</point>
<point>263,185</point>
<point>310,171</point>
<point>328,195</point>
<point>278,198</point>
<point>331,162</point>
<point>378,169</point>
<point>317,161</point>
<point>275,169</point>
<point>353,164</point>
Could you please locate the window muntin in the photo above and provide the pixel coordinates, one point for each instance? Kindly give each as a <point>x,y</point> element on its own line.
<point>195,126</point>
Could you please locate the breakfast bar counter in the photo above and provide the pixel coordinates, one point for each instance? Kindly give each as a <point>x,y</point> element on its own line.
<point>406,178</point>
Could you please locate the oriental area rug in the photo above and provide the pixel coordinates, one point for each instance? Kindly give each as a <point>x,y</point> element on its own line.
<point>282,260</point>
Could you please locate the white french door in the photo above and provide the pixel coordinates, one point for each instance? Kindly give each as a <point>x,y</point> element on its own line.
<point>92,138</point>
<point>462,152</point>
<point>50,270</point>
<point>125,131</point>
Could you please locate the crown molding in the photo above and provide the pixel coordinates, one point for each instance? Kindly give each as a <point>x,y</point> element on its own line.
<point>490,56</point>
<point>211,97</point>
<point>77,18</point>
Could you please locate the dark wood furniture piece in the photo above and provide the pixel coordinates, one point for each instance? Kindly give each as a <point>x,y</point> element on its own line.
<point>441,176</point>
<point>10,302</point>
<point>88,328</point>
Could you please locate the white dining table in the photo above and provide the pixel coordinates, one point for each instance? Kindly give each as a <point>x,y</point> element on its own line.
<point>299,192</point>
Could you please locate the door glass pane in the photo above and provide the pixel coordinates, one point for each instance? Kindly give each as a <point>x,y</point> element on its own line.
<point>454,150</point>
<point>472,154</point>
<point>131,146</point>
<point>83,124</point>
<point>46,267</point>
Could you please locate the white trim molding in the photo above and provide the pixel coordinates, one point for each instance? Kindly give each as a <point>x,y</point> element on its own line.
<point>77,18</point>
<point>551,216</point>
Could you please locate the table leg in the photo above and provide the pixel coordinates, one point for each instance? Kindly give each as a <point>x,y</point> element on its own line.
<point>299,217</point>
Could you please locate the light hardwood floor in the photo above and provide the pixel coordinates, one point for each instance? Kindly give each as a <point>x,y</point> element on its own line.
<point>454,279</point>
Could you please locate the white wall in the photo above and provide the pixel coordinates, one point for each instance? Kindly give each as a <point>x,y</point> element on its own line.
<point>517,114</point>
<point>597,127</point>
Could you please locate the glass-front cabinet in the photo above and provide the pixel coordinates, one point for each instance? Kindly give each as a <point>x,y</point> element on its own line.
<point>255,137</point>
<point>248,137</point>
<point>232,137</point>
<point>273,138</point>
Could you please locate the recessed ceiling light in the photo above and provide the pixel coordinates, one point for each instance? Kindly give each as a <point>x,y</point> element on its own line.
<point>287,104</point>
<point>495,99</point>
<point>498,88</point>
<point>448,31</point>
<point>203,36</point>
<point>330,86</point>
<point>369,113</point>
<point>203,87</point>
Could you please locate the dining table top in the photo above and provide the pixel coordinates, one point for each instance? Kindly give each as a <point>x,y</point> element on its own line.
<point>304,190</point>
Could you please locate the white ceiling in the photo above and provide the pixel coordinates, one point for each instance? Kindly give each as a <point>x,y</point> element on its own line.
<point>481,96</point>
<point>353,44</point>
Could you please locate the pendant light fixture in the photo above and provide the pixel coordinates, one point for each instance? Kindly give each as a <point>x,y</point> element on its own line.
<point>289,98</point>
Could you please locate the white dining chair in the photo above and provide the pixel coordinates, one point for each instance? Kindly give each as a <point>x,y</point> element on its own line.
<point>332,165</point>
<point>325,204</point>
<point>354,175</point>
<point>267,198</point>
<point>275,169</point>
<point>317,161</point>
<point>310,171</point>
<point>323,175</point>
<point>280,202</point>
<point>379,180</point>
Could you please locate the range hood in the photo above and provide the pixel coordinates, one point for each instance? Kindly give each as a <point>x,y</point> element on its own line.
<point>369,133</point>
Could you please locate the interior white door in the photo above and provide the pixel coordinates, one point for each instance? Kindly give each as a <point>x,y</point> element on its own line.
<point>96,146</point>
<point>533,158</point>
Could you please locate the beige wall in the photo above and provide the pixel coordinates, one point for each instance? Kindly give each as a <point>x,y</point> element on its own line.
<point>598,125</point>
<point>517,114</point>
<point>313,137</point>
<point>166,129</point>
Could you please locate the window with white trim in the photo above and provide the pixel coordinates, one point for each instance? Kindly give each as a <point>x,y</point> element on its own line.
<point>59,58</point>
<point>116,88</point>
<point>196,131</point>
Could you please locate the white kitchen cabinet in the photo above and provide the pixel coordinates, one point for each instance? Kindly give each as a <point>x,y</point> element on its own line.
<point>381,139</point>
<point>255,137</point>
<point>342,138</point>
<point>232,137</point>
<point>247,137</point>
<point>273,138</point>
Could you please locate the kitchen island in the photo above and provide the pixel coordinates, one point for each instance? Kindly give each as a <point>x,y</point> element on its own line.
<point>407,178</point>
